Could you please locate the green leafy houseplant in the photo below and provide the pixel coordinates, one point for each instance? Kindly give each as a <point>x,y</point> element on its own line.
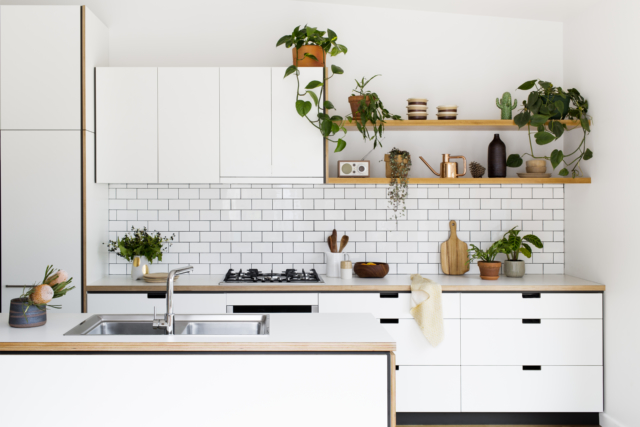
<point>513,245</point>
<point>140,243</point>
<point>543,110</point>
<point>370,110</point>
<point>398,186</point>
<point>54,285</point>
<point>475,253</point>
<point>330,126</point>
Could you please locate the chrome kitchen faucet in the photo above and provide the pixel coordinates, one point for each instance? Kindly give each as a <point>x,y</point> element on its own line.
<point>168,323</point>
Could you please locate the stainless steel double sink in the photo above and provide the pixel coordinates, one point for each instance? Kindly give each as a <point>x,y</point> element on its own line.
<point>185,324</point>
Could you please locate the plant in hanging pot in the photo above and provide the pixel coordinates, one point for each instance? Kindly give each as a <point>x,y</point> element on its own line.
<point>310,46</point>
<point>489,267</point>
<point>513,245</point>
<point>330,126</point>
<point>398,165</point>
<point>141,249</point>
<point>543,110</point>
<point>30,310</point>
<point>367,107</point>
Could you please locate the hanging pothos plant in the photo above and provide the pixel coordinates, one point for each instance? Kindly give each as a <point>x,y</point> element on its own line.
<point>544,108</point>
<point>400,163</point>
<point>331,127</point>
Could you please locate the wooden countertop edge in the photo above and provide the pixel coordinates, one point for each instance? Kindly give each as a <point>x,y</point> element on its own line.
<point>190,346</point>
<point>349,288</point>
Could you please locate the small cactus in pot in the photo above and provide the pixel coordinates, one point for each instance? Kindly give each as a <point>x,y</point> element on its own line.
<point>505,106</point>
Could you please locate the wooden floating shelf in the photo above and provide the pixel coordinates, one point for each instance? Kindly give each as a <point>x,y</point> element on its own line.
<point>456,125</point>
<point>463,180</point>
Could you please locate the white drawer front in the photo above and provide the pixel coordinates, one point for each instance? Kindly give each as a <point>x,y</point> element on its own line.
<point>516,306</point>
<point>124,304</point>
<point>551,342</point>
<point>199,303</point>
<point>273,298</point>
<point>414,349</point>
<point>551,389</point>
<point>392,305</point>
<point>428,389</point>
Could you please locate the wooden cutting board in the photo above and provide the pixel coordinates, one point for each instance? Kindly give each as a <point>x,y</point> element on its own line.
<point>454,254</point>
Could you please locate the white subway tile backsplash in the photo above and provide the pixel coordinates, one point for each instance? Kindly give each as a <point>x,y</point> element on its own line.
<point>222,226</point>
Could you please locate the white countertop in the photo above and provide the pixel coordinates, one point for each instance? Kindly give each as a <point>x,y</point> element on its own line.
<point>284,328</point>
<point>466,282</point>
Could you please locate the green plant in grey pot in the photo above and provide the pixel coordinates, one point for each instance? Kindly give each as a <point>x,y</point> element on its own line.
<point>513,245</point>
<point>505,106</point>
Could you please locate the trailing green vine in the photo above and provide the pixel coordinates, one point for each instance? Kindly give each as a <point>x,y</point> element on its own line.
<point>398,186</point>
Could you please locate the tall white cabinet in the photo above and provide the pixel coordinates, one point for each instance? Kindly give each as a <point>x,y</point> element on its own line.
<point>51,209</point>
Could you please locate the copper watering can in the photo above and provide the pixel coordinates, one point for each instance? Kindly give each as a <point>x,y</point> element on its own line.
<point>448,169</point>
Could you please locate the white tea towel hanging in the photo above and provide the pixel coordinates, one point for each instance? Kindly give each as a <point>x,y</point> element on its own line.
<point>426,308</point>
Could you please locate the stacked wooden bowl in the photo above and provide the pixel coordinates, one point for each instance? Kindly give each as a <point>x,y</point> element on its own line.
<point>417,108</point>
<point>447,112</point>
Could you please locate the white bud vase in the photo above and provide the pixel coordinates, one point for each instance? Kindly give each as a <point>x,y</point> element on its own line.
<point>139,267</point>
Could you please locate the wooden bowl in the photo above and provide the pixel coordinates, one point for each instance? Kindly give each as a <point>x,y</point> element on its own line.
<point>377,271</point>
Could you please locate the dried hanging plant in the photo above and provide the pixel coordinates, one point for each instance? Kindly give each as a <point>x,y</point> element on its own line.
<point>398,186</point>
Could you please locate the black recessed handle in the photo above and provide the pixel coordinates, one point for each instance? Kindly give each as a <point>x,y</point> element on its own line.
<point>397,367</point>
<point>157,295</point>
<point>532,368</point>
<point>389,321</point>
<point>530,321</point>
<point>388,295</point>
<point>531,295</point>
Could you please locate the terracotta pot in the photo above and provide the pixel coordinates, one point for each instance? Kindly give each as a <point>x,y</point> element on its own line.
<point>300,61</point>
<point>354,103</point>
<point>387,162</point>
<point>489,270</point>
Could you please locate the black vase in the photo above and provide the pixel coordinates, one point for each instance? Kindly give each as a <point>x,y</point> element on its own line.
<point>497,161</point>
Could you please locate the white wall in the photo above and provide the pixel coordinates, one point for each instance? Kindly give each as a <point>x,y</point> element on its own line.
<point>600,56</point>
<point>449,59</point>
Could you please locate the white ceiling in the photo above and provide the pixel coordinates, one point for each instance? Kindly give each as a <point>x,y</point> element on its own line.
<point>543,10</point>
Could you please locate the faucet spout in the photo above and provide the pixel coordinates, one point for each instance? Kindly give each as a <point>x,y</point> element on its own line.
<point>168,323</point>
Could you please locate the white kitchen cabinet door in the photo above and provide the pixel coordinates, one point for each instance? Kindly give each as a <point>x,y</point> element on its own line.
<point>298,147</point>
<point>272,298</point>
<point>414,349</point>
<point>531,305</point>
<point>96,39</point>
<point>550,389</point>
<point>144,303</point>
<point>189,125</point>
<point>428,389</point>
<point>40,68</point>
<point>245,122</point>
<point>392,305</point>
<point>41,205</point>
<point>127,125</point>
<point>550,342</point>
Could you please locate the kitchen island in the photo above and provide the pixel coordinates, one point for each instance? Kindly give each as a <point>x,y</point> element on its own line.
<point>312,370</point>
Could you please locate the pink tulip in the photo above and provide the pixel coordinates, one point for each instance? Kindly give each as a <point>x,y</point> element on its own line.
<point>59,277</point>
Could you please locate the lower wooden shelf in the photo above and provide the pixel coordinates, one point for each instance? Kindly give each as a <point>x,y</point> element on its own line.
<point>558,180</point>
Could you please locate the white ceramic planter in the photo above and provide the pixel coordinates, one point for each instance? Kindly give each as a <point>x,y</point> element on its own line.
<point>514,268</point>
<point>140,267</point>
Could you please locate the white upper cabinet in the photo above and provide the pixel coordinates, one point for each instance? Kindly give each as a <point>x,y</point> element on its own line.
<point>297,146</point>
<point>189,125</point>
<point>245,122</point>
<point>40,67</point>
<point>96,54</point>
<point>127,125</point>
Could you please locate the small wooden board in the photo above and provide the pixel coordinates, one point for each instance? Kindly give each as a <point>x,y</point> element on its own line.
<point>454,254</point>
<point>157,277</point>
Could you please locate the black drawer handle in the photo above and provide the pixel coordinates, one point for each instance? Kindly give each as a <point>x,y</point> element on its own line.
<point>388,295</point>
<point>397,367</point>
<point>531,321</point>
<point>157,295</point>
<point>532,368</point>
<point>389,321</point>
<point>531,295</point>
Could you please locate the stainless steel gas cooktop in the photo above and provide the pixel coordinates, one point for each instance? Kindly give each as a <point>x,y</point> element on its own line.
<point>257,277</point>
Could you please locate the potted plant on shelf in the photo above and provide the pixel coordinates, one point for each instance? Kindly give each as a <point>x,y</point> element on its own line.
<point>513,245</point>
<point>140,248</point>
<point>310,46</point>
<point>543,110</point>
<point>367,107</point>
<point>34,301</point>
<point>398,165</point>
<point>489,267</point>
